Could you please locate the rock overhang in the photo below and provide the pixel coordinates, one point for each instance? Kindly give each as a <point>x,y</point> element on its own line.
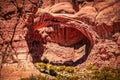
<point>65,31</point>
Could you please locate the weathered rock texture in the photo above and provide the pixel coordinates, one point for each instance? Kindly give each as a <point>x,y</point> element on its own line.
<point>63,25</point>
<point>13,45</point>
<point>19,19</point>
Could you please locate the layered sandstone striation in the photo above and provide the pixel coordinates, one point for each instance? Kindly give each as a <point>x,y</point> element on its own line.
<point>19,44</point>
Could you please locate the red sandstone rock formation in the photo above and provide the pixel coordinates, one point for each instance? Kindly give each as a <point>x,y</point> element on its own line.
<point>79,19</point>
<point>53,24</point>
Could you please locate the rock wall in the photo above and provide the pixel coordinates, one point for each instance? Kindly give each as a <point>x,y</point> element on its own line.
<point>17,40</point>
<point>13,29</point>
<point>14,48</point>
<point>16,23</point>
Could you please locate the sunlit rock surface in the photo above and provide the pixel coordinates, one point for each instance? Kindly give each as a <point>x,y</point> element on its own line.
<point>18,45</point>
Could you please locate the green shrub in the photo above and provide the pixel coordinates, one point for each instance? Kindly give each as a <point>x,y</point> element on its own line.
<point>91,72</point>
<point>40,66</point>
<point>69,69</point>
<point>61,68</point>
<point>49,66</point>
<point>91,67</point>
<point>105,73</point>
<point>40,77</point>
<point>52,72</point>
<point>61,77</point>
<point>73,78</point>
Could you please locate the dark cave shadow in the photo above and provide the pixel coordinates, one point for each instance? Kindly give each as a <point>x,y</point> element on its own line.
<point>81,60</point>
<point>88,48</point>
<point>78,62</point>
<point>36,48</point>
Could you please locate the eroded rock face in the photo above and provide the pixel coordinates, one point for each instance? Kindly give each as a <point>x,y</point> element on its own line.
<point>62,31</point>
<point>60,35</point>
<point>87,11</point>
<point>89,21</point>
<point>13,45</point>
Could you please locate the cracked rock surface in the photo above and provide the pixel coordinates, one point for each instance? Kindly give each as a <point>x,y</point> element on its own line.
<point>18,50</point>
